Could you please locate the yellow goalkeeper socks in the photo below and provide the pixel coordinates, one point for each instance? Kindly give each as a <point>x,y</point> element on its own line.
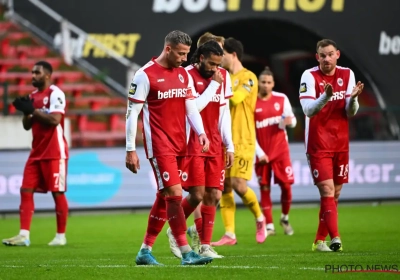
<point>251,201</point>
<point>228,208</point>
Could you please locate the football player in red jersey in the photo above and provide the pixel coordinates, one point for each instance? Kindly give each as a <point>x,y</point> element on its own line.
<point>162,92</point>
<point>328,96</point>
<point>273,113</point>
<point>203,174</point>
<point>46,168</point>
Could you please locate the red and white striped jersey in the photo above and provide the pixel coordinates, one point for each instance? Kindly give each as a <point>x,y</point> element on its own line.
<point>49,141</point>
<point>270,137</point>
<point>328,130</point>
<point>210,114</point>
<point>163,92</point>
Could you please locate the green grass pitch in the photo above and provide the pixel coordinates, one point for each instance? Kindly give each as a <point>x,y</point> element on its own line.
<point>104,247</point>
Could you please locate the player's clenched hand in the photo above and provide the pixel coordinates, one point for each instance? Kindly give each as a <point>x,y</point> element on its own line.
<point>357,90</point>
<point>328,89</point>
<point>218,77</point>
<point>132,161</point>
<point>263,159</point>
<point>229,159</point>
<point>204,142</point>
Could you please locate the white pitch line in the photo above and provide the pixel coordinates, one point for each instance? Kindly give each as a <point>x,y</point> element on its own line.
<point>165,266</point>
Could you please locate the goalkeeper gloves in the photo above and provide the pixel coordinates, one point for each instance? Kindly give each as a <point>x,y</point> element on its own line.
<point>24,104</point>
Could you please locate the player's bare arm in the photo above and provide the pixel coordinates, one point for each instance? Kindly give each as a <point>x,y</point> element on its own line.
<point>229,160</point>
<point>132,161</point>
<point>27,122</point>
<point>52,119</point>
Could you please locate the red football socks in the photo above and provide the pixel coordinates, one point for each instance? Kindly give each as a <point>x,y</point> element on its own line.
<point>26,210</point>
<point>176,219</point>
<point>61,212</point>
<point>156,221</point>
<point>266,205</point>
<point>330,215</point>
<point>208,214</point>
<point>322,231</point>
<point>286,198</point>
<point>199,227</point>
<point>187,208</point>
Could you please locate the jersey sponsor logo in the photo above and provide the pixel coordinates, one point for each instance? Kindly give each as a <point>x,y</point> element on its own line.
<point>268,122</point>
<point>216,98</point>
<point>303,87</point>
<point>160,80</point>
<point>60,100</point>
<point>340,82</point>
<point>277,106</point>
<point>175,93</point>
<point>338,95</point>
<point>132,90</point>
<point>251,83</point>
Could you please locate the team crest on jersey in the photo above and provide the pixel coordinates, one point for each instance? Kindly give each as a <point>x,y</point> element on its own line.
<point>315,173</point>
<point>45,100</point>
<point>184,176</point>
<point>277,106</point>
<point>181,78</point>
<point>235,83</point>
<point>340,81</point>
<point>303,87</point>
<point>166,176</point>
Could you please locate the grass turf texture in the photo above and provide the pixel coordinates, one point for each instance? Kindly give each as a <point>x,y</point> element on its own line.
<point>105,246</point>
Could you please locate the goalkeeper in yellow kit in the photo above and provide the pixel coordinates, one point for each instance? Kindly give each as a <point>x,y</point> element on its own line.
<point>242,107</point>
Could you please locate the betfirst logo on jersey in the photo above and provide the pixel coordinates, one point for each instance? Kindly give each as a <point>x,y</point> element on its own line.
<point>338,95</point>
<point>268,122</point>
<point>175,93</point>
<point>216,98</point>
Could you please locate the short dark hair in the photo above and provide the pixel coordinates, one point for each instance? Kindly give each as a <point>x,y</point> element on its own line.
<point>267,71</point>
<point>231,45</point>
<point>208,37</point>
<point>207,49</point>
<point>46,66</point>
<point>326,42</point>
<point>178,37</point>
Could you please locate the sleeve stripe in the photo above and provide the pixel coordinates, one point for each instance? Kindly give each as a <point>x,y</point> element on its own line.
<point>135,100</point>
<point>308,97</point>
<point>348,95</point>
<point>223,104</point>
<point>228,96</point>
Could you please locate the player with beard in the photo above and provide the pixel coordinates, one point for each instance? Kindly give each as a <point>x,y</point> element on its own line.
<point>46,168</point>
<point>203,175</point>
<point>273,113</point>
<point>328,96</point>
<point>162,92</point>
